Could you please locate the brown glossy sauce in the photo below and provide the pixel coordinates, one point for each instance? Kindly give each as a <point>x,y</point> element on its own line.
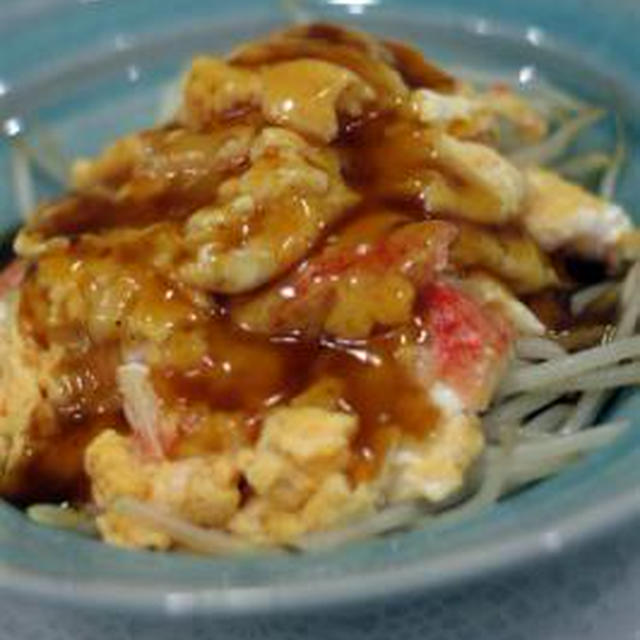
<point>393,161</point>
<point>248,374</point>
<point>205,364</point>
<point>385,157</point>
<point>418,72</point>
<point>54,470</point>
<point>553,306</point>
<point>185,173</point>
<point>221,369</point>
<point>595,325</point>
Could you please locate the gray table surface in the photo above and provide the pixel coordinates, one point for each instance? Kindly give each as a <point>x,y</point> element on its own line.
<point>591,593</point>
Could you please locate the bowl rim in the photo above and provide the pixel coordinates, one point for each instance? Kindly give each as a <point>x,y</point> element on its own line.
<point>450,567</point>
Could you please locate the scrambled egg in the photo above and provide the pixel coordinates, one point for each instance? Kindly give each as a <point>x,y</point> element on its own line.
<point>202,490</point>
<point>287,308</point>
<point>305,95</point>
<point>562,214</point>
<point>469,114</point>
<point>25,379</point>
<point>297,471</point>
<point>508,254</point>
<point>289,186</point>
<point>500,186</point>
<point>437,468</point>
<point>351,288</point>
<point>296,477</point>
<point>434,108</point>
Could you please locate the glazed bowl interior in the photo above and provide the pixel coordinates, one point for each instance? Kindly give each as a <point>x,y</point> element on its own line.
<point>86,72</point>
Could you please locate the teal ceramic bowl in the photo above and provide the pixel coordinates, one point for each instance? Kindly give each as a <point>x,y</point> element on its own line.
<point>89,70</point>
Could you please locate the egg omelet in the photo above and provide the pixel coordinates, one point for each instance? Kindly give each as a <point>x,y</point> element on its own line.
<point>287,308</point>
